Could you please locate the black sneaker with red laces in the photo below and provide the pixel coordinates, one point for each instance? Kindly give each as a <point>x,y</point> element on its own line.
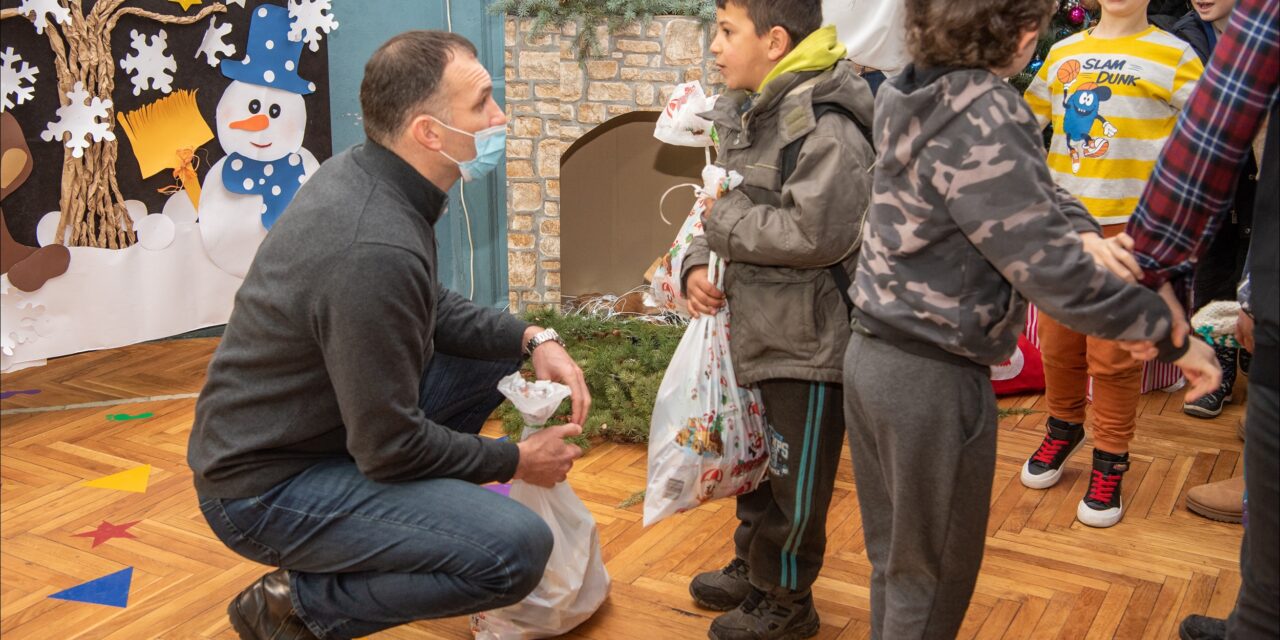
<point>1044,467</point>
<point>1101,506</point>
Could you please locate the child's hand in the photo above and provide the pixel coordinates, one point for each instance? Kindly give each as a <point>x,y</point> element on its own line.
<point>1113,254</point>
<point>1146,350</point>
<point>1181,328</point>
<point>703,297</point>
<point>1200,366</point>
<point>1244,331</point>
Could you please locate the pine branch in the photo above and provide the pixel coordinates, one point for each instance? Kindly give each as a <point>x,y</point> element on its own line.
<point>623,362</point>
<point>1005,412</point>
<point>615,15</point>
<point>635,499</point>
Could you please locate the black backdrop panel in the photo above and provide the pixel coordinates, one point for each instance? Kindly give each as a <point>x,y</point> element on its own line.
<point>24,207</point>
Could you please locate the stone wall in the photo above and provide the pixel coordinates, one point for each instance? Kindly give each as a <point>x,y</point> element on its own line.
<point>553,98</point>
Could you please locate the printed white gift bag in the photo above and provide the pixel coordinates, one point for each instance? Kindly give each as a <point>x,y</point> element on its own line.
<point>666,292</point>
<point>707,434</point>
<point>680,123</point>
<point>575,583</point>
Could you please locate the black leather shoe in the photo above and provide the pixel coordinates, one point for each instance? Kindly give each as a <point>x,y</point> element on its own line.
<point>265,612</point>
<point>1195,627</point>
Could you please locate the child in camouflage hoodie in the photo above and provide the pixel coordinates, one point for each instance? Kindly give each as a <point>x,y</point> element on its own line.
<point>965,221</point>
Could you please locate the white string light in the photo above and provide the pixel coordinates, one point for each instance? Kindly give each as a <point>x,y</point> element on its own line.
<point>462,190</point>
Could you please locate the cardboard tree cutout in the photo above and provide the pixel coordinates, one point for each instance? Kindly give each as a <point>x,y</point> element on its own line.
<point>91,203</point>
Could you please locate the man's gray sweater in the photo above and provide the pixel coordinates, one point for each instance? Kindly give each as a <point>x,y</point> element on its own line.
<point>330,334</point>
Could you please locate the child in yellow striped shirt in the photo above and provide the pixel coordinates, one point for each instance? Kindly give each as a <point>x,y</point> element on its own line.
<point>1112,95</point>
<point>1112,101</point>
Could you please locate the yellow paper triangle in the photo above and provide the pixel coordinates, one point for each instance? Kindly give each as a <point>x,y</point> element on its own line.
<point>134,480</point>
<point>186,4</point>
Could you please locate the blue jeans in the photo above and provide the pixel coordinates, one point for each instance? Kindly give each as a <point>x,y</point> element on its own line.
<point>364,556</point>
<point>1257,612</point>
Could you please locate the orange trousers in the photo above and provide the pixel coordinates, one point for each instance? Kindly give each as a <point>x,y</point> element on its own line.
<point>1070,358</point>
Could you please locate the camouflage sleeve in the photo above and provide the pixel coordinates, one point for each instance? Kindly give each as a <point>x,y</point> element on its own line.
<point>1003,199</point>
<point>824,203</point>
<point>1081,220</point>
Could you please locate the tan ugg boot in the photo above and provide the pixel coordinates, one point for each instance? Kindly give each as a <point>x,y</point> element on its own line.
<point>1222,501</point>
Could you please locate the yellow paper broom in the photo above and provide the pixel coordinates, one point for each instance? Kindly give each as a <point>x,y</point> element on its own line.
<point>165,135</point>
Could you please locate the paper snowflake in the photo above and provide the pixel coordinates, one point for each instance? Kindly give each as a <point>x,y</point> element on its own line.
<point>23,323</point>
<point>80,118</point>
<point>239,2</point>
<point>17,84</point>
<point>41,8</point>
<point>213,44</point>
<point>151,64</point>
<point>310,18</point>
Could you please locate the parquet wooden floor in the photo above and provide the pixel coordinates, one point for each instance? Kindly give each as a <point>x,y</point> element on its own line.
<point>1044,576</point>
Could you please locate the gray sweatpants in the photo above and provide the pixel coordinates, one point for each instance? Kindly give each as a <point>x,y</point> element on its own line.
<point>922,433</point>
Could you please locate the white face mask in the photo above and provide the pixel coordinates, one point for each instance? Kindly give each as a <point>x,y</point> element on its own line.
<point>491,148</point>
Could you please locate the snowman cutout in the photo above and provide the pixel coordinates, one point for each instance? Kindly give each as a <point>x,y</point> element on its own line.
<point>261,121</point>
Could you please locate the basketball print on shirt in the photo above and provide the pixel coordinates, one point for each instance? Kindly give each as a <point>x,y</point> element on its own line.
<point>1082,109</point>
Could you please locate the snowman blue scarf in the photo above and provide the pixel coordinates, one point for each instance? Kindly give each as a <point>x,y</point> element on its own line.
<point>276,181</point>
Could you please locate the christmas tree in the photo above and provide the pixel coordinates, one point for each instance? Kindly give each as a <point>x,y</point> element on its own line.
<point>1071,17</point>
<point>1074,16</point>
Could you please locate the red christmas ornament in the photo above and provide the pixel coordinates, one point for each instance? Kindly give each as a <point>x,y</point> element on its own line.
<point>1077,15</point>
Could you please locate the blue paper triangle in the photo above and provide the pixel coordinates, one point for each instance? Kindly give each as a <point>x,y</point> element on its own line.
<point>111,590</point>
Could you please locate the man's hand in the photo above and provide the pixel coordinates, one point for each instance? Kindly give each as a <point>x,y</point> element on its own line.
<point>552,362</point>
<point>1145,350</point>
<point>703,297</point>
<point>1244,331</point>
<point>545,458</point>
<point>1200,366</point>
<point>1113,254</point>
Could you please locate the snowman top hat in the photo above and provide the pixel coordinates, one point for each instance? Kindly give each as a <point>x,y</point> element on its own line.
<point>271,58</point>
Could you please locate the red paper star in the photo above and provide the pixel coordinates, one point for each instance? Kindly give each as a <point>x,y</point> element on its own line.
<point>107,531</point>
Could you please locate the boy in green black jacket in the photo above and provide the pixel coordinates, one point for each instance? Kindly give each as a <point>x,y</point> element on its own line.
<point>792,125</point>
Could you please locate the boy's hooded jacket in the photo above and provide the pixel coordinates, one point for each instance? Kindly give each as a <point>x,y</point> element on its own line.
<point>789,319</point>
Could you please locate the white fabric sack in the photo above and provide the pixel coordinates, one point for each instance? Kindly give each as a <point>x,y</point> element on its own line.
<point>575,583</point>
<point>707,434</point>
<point>873,31</point>
<point>666,292</point>
<point>679,123</point>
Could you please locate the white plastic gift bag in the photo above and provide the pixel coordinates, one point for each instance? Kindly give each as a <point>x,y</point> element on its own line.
<point>575,583</point>
<point>679,123</point>
<point>707,434</point>
<point>666,292</point>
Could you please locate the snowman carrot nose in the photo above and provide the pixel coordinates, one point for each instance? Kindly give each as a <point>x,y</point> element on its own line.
<point>252,123</point>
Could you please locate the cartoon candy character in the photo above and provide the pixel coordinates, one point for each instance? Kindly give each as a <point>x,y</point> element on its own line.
<point>708,483</point>
<point>755,445</point>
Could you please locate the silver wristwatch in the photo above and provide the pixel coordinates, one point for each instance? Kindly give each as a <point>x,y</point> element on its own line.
<point>548,335</point>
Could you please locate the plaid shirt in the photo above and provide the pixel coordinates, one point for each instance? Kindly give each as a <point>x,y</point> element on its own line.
<point>1193,184</point>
